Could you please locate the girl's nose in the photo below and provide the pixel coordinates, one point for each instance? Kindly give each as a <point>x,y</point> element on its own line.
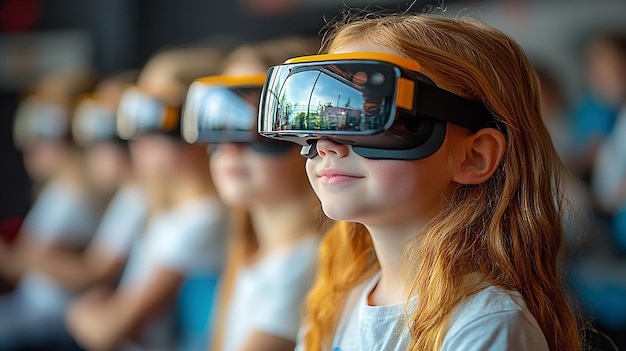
<point>325,147</point>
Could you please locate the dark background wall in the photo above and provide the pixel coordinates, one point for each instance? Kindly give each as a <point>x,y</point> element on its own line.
<point>122,34</point>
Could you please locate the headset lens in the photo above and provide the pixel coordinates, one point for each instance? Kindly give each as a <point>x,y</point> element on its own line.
<point>317,100</point>
<point>216,114</point>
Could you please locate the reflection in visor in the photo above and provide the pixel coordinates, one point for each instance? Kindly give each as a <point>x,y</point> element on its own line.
<point>219,114</point>
<point>36,119</point>
<point>338,98</point>
<point>93,121</point>
<point>139,113</point>
<point>380,104</point>
<point>224,110</point>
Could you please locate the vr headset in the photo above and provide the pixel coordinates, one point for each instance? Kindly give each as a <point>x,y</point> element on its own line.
<point>140,113</point>
<point>93,121</point>
<point>223,109</point>
<point>378,103</point>
<point>36,119</point>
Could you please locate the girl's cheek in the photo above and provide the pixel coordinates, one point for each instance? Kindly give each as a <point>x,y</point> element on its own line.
<point>219,169</point>
<point>267,175</point>
<point>104,168</point>
<point>310,170</point>
<point>278,176</point>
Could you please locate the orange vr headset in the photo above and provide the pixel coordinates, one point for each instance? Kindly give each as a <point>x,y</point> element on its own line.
<point>380,104</point>
<point>223,109</point>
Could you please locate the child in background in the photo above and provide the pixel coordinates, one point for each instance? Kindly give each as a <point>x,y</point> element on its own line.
<point>602,278</point>
<point>62,220</point>
<point>108,167</point>
<point>277,225</point>
<point>556,116</point>
<point>444,182</point>
<point>185,235</point>
<point>609,173</point>
<point>596,113</point>
<point>42,124</point>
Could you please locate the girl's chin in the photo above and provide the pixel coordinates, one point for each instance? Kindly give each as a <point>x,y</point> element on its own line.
<point>233,198</point>
<point>339,214</point>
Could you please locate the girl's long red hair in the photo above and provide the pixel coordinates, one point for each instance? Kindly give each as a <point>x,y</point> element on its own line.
<point>507,229</point>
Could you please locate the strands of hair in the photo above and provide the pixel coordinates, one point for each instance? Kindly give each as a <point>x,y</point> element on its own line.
<point>349,14</point>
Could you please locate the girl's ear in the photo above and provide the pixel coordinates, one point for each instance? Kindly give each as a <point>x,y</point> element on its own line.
<point>481,156</point>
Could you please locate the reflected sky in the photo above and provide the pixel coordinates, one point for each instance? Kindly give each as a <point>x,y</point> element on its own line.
<point>313,89</point>
<point>141,110</point>
<point>350,97</point>
<point>222,109</point>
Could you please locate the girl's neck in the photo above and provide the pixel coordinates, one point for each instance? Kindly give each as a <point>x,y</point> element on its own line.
<point>72,170</point>
<point>279,224</point>
<point>127,177</point>
<point>389,244</point>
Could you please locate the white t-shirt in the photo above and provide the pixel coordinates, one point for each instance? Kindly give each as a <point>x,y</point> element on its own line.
<point>610,167</point>
<point>62,216</point>
<point>123,221</point>
<point>269,295</point>
<point>492,320</point>
<point>189,239</point>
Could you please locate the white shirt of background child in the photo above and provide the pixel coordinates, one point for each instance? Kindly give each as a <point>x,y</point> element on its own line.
<point>123,221</point>
<point>610,165</point>
<point>189,239</point>
<point>268,296</point>
<point>62,216</point>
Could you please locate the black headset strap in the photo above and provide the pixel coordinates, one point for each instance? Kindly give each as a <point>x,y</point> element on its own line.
<point>443,105</point>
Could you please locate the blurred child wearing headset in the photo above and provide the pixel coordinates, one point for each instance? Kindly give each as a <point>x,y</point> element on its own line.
<point>185,234</point>
<point>277,224</point>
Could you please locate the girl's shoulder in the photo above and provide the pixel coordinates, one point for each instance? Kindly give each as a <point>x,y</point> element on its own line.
<point>494,317</point>
<point>193,215</point>
<point>492,299</point>
<point>288,264</point>
<point>296,257</point>
<point>202,206</point>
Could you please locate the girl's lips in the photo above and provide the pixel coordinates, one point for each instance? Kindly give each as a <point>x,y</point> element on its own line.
<point>334,177</point>
<point>234,172</point>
